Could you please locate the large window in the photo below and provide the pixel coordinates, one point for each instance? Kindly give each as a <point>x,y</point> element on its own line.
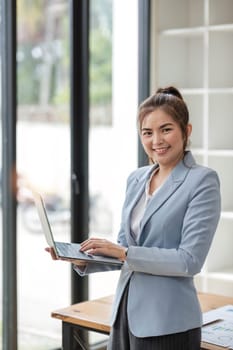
<point>113,132</point>
<point>43,164</point>
<point>43,149</point>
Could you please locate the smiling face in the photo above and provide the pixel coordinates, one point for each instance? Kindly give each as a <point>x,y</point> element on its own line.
<point>162,138</point>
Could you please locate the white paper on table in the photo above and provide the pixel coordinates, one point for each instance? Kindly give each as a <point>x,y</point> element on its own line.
<point>219,332</point>
<point>221,313</point>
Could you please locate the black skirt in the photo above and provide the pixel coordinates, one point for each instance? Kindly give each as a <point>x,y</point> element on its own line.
<point>122,339</point>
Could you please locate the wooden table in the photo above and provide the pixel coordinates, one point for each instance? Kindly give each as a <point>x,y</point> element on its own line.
<point>94,315</point>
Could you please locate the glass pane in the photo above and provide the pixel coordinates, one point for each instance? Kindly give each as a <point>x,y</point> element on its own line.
<point>0,183</point>
<point>43,155</point>
<point>113,132</point>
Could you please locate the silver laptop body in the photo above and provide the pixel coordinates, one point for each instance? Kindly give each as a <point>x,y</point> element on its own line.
<point>65,249</point>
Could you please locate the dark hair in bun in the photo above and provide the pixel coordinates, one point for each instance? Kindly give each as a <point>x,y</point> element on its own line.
<point>170,100</point>
<point>170,90</point>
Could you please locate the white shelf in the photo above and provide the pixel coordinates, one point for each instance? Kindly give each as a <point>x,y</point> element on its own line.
<point>224,274</point>
<point>186,55</point>
<point>224,167</point>
<point>220,59</point>
<point>227,215</point>
<point>220,256</point>
<point>210,91</point>
<point>221,28</point>
<point>220,283</point>
<point>195,31</point>
<point>213,153</point>
<point>194,51</point>
<point>183,32</point>
<point>180,14</point>
<point>220,12</point>
<point>220,153</point>
<point>221,91</point>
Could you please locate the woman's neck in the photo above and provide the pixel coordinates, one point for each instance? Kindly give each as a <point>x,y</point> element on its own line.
<point>157,180</point>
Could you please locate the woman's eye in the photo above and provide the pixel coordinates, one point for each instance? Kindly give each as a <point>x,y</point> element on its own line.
<point>166,130</point>
<point>146,133</point>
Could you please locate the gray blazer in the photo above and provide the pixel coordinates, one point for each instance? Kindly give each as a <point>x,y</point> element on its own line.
<point>176,233</point>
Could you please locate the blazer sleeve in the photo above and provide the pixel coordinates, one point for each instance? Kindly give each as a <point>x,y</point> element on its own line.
<point>199,225</point>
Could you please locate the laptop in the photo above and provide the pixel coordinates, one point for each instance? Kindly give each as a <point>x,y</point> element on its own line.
<point>65,249</point>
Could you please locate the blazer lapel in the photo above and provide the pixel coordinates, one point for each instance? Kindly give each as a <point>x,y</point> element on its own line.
<point>171,184</point>
<point>137,190</point>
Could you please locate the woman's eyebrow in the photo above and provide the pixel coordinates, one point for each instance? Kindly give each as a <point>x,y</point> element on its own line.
<point>165,125</point>
<point>145,129</point>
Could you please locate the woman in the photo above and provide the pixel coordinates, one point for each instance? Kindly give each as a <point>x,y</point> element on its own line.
<point>169,218</point>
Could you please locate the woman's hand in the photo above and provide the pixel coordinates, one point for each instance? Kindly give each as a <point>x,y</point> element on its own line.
<point>73,261</point>
<point>52,253</point>
<point>98,246</point>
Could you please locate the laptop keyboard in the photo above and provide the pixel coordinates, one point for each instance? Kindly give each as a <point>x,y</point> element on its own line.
<point>70,250</point>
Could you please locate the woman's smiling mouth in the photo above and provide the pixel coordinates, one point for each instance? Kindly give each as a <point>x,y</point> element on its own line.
<point>161,150</point>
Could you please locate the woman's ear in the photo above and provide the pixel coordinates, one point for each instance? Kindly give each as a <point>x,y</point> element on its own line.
<point>189,129</point>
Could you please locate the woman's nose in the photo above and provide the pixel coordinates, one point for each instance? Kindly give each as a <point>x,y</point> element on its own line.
<point>156,139</point>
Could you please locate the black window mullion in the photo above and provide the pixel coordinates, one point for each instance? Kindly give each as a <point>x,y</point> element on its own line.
<point>79,13</point>
<point>143,62</point>
<point>9,246</point>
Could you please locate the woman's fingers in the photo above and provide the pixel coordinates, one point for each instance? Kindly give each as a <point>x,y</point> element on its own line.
<point>89,241</point>
<point>94,243</point>
<point>52,253</point>
<point>73,261</point>
<point>98,246</point>
<point>79,262</point>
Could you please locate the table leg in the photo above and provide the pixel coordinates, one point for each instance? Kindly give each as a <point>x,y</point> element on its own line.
<point>72,338</point>
<point>67,336</point>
